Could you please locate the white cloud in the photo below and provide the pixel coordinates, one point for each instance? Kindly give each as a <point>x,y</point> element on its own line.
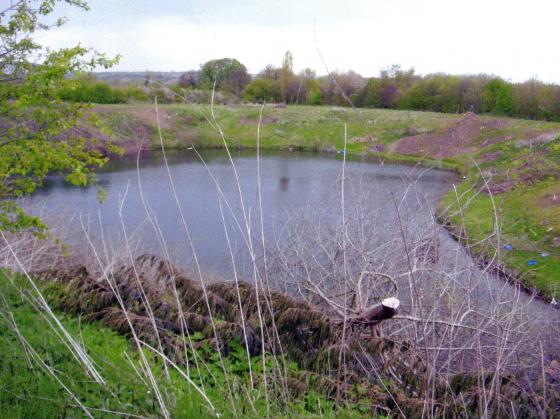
<point>513,39</point>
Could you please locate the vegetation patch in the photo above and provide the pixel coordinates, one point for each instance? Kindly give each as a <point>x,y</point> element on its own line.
<point>222,321</point>
<point>41,377</point>
<point>527,228</point>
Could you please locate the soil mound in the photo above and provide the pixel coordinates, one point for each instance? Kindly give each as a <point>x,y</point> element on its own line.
<point>462,137</point>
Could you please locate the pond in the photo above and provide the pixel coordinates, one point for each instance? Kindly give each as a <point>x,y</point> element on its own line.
<point>383,218</point>
<point>289,182</point>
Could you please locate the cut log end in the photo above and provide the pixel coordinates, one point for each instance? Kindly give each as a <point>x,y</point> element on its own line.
<point>391,302</point>
<point>372,317</point>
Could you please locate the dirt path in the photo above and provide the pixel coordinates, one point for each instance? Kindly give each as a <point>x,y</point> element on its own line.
<point>462,137</point>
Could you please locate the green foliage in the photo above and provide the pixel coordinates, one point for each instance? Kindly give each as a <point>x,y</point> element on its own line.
<point>438,92</point>
<point>262,90</point>
<point>373,93</point>
<point>85,90</point>
<point>419,97</point>
<point>394,88</point>
<point>14,218</point>
<point>38,132</point>
<point>498,97</point>
<point>135,93</point>
<point>226,74</point>
<point>315,97</point>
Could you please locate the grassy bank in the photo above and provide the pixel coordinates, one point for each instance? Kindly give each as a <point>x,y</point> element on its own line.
<point>528,214</point>
<point>41,378</point>
<point>518,158</point>
<point>293,127</point>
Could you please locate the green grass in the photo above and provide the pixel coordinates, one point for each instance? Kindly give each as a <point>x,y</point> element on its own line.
<point>302,127</point>
<point>524,222</point>
<point>305,127</point>
<point>28,391</point>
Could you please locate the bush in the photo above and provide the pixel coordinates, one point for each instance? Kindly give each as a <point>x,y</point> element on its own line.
<point>262,90</point>
<point>498,97</point>
<point>225,74</point>
<point>315,97</point>
<point>135,93</point>
<point>88,91</point>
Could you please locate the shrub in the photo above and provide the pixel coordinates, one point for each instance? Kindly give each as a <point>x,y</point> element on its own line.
<point>89,91</point>
<point>315,97</point>
<point>498,97</point>
<point>262,90</point>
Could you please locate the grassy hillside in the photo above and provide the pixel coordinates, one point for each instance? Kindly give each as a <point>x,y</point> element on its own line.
<point>516,160</point>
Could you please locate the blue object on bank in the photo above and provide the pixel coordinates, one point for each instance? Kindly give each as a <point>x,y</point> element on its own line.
<point>532,262</point>
<point>508,247</point>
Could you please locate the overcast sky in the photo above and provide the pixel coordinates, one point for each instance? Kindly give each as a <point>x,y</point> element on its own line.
<point>514,39</point>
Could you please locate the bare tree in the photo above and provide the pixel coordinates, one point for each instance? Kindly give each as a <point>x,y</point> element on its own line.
<point>189,78</point>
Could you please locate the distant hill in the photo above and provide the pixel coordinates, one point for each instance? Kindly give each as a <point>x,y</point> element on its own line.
<point>138,77</point>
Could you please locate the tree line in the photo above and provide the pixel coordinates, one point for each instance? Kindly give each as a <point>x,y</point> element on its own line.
<point>393,88</point>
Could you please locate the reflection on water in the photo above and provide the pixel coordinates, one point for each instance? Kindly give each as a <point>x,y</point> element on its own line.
<point>284,183</point>
<point>289,181</point>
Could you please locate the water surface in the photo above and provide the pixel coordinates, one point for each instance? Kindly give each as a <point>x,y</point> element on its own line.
<point>289,182</point>
<point>302,199</point>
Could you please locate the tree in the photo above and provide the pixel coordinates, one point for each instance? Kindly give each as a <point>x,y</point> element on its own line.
<point>389,96</point>
<point>396,76</point>
<point>225,74</point>
<point>270,72</point>
<point>306,86</point>
<point>549,100</point>
<point>471,88</point>
<point>373,93</point>
<point>38,130</point>
<point>527,99</point>
<point>286,76</point>
<point>262,90</point>
<point>338,88</point>
<point>497,97</point>
<point>189,79</point>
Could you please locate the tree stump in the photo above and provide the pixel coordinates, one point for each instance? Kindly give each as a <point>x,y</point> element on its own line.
<point>372,317</point>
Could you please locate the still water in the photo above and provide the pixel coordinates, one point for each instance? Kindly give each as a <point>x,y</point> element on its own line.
<point>140,200</point>
<point>144,212</point>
